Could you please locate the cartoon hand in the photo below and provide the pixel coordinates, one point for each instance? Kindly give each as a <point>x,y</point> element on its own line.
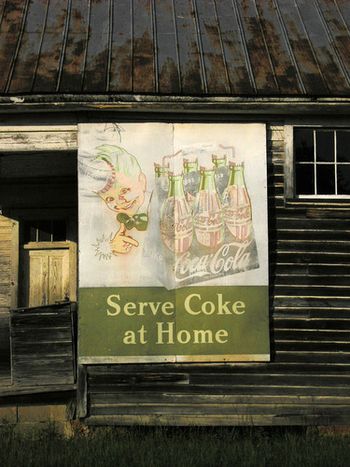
<point>122,243</point>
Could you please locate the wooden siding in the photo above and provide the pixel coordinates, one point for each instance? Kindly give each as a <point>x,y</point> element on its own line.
<point>308,379</point>
<point>43,346</point>
<point>8,290</point>
<point>8,263</point>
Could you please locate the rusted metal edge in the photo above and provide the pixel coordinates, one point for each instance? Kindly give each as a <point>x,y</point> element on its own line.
<point>149,103</point>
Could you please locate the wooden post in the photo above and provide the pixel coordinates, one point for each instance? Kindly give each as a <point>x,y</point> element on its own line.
<point>82,392</point>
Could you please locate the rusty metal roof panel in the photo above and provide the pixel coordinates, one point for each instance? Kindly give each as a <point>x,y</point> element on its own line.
<point>180,47</point>
<point>121,48</point>
<point>168,61</point>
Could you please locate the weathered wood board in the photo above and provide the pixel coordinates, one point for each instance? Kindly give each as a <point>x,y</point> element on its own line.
<point>42,345</point>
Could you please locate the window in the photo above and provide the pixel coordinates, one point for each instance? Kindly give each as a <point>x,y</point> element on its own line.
<point>321,162</point>
<point>44,231</point>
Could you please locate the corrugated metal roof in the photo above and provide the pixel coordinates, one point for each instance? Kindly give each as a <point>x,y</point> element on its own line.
<point>181,47</point>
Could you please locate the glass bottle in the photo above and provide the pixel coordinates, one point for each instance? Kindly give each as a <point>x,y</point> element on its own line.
<point>222,172</point>
<point>176,224</point>
<point>237,205</point>
<point>161,182</point>
<point>207,215</point>
<point>191,180</point>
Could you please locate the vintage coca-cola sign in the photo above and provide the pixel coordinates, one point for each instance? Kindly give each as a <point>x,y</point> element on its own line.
<point>173,262</point>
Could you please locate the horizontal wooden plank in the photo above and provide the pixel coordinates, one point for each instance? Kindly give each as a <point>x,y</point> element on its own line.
<point>22,390</point>
<point>289,379</point>
<point>311,234</point>
<point>292,220</point>
<point>43,380</point>
<point>237,379</point>
<point>42,349</point>
<point>145,378</point>
<point>223,409</point>
<point>219,420</point>
<point>311,324</point>
<point>45,140</point>
<point>43,374</point>
<point>311,312</point>
<point>297,280</point>
<point>313,269</point>
<point>306,301</point>
<point>243,390</point>
<point>102,373</point>
<point>42,336</point>
<point>304,245</point>
<point>40,320</point>
<point>175,398</point>
<point>314,346</point>
<point>310,335</point>
<point>313,290</point>
<point>239,383</point>
<point>53,361</point>
<point>41,330</point>
<point>310,356</point>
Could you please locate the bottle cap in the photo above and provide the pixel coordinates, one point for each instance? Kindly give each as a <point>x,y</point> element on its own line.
<point>173,175</point>
<point>218,157</point>
<point>160,169</point>
<point>203,168</point>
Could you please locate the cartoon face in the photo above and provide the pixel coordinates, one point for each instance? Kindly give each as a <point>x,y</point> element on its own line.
<point>126,195</point>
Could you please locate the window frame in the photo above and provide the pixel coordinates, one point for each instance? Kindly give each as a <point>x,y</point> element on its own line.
<point>290,163</point>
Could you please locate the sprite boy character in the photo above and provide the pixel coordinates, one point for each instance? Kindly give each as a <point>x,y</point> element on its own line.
<point>124,193</point>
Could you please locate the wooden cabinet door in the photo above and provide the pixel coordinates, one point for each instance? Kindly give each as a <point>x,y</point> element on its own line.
<point>50,274</point>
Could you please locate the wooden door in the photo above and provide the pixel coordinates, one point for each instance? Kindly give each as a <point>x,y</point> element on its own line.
<point>50,273</point>
<point>8,290</point>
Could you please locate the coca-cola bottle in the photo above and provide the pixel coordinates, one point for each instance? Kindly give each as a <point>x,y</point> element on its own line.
<point>222,172</point>
<point>236,205</point>
<point>207,215</point>
<point>191,180</point>
<point>176,224</point>
<point>161,182</point>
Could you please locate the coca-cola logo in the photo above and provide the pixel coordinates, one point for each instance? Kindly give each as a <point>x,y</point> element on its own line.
<point>208,219</point>
<point>238,214</point>
<point>183,225</point>
<point>230,258</point>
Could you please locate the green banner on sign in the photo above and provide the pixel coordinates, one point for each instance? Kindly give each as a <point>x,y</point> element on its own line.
<point>131,323</point>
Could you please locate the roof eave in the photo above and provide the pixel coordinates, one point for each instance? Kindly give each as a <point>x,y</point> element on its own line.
<point>178,104</point>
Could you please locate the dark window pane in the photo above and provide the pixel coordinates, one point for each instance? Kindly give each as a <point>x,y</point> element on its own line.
<point>343,146</point>
<point>59,230</point>
<point>343,175</point>
<point>304,145</point>
<point>44,228</point>
<point>325,146</point>
<point>325,179</point>
<point>304,182</point>
<point>29,232</point>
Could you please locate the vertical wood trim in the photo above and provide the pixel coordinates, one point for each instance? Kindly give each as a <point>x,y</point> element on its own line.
<point>289,163</point>
<point>14,263</point>
<point>74,327</point>
<point>73,271</point>
<point>82,392</point>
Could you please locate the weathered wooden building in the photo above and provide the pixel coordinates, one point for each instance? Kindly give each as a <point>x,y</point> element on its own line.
<point>281,63</point>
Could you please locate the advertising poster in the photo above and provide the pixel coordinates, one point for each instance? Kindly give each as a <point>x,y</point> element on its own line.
<point>173,247</point>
